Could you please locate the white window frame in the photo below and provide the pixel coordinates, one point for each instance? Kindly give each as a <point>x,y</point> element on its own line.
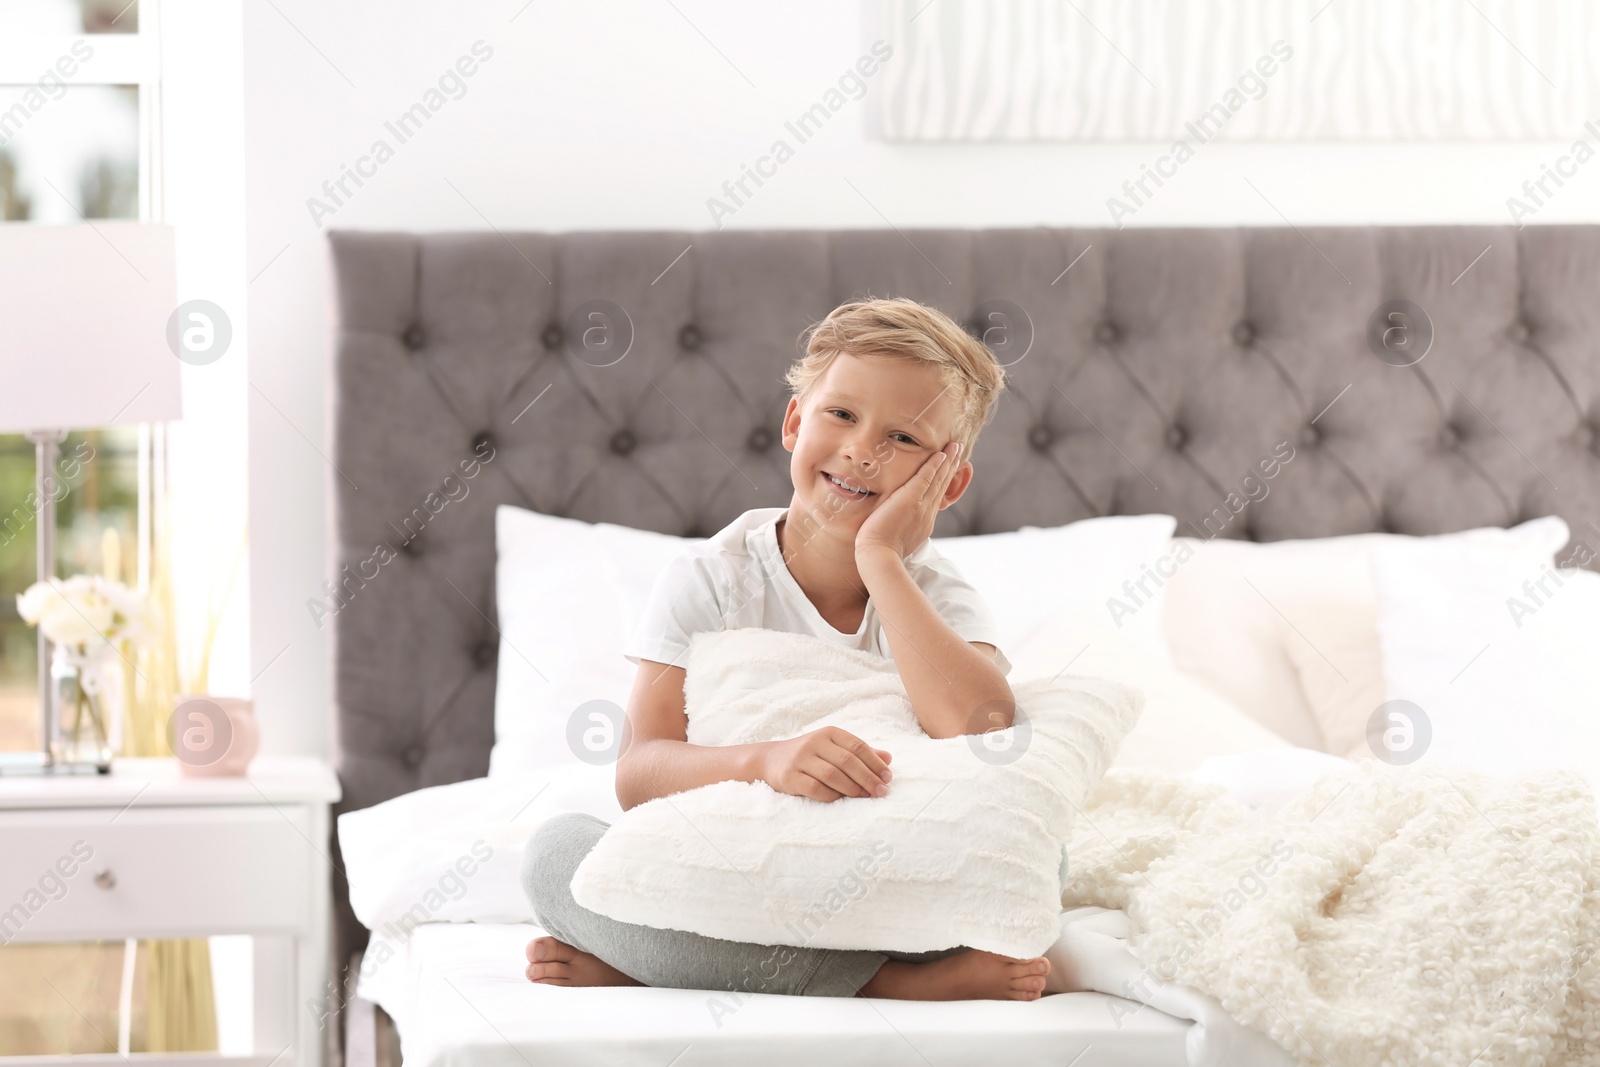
<point>119,59</point>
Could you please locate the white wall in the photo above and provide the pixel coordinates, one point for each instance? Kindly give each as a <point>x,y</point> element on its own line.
<point>202,196</point>
<point>622,114</point>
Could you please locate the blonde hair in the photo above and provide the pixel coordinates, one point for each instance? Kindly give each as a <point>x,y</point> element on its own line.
<point>904,329</point>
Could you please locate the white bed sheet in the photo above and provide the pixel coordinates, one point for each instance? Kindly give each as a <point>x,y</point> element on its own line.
<point>457,994</point>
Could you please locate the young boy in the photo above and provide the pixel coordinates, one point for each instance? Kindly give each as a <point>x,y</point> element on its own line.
<point>888,401</point>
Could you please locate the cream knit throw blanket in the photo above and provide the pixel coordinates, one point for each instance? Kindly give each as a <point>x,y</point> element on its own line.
<point>1387,917</point>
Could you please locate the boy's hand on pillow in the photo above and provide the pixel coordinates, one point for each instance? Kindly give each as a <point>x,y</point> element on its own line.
<point>825,765</point>
<point>905,518</point>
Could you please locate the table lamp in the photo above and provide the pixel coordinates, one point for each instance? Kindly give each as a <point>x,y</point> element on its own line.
<point>83,345</point>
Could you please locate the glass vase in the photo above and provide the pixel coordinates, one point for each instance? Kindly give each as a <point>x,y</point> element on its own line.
<point>86,685</point>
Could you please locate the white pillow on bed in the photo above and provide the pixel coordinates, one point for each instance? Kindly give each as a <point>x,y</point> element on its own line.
<point>1183,724</point>
<point>453,853</point>
<point>967,848</point>
<point>1032,575</point>
<point>569,592</point>
<point>1287,630</point>
<point>1505,672</point>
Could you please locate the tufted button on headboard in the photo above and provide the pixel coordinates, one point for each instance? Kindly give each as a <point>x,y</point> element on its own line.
<point>616,377</point>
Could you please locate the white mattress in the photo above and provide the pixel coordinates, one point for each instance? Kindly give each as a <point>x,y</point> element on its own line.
<point>457,994</point>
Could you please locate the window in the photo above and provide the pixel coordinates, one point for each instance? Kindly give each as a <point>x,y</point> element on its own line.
<point>77,157</point>
<point>68,17</point>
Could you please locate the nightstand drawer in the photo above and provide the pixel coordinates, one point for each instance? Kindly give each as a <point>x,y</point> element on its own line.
<point>90,873</point>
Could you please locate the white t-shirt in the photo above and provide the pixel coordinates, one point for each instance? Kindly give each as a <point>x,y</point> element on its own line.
<point>737,578</point>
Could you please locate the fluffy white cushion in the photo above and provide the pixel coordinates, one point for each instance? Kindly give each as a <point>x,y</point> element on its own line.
<point>1287,630</point>
<point>1499,655</point>
<point>1183,724</point>
<point>569,593</point>
<point>967,848</point>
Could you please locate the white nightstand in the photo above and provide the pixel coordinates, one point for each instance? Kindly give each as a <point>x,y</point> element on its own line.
<point>146,853</point>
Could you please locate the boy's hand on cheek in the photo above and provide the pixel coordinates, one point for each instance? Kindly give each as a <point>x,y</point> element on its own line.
<point>905,518</point>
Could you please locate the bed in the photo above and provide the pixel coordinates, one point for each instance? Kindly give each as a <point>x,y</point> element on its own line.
<point>1148,369</point>
<point>482,1012</point>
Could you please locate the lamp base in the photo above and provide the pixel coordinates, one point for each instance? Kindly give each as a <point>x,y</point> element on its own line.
<point>46,444</point>
<point>35,764</point>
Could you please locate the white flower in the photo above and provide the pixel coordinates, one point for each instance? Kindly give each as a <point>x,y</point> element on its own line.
<point>83,610</point>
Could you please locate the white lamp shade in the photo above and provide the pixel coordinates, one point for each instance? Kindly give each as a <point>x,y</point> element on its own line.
<point>83,326</point>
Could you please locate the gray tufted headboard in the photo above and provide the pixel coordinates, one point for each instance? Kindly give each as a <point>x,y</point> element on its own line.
<point>1164,364</point>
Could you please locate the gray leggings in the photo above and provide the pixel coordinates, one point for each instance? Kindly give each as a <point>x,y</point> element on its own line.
<point>675,958</point>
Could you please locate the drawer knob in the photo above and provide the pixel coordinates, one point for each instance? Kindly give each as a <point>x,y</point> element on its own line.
<point>106,880</point>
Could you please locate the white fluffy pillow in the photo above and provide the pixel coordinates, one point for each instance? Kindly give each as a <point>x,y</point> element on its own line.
<point>1498,653</point>
<point>966,849</point>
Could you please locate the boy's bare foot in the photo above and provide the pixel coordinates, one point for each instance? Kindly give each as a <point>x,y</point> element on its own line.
<point>971,975</point>
<point>553,962</point>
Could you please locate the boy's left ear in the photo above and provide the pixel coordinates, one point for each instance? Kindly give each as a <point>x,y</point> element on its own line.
<point>958,485</point>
